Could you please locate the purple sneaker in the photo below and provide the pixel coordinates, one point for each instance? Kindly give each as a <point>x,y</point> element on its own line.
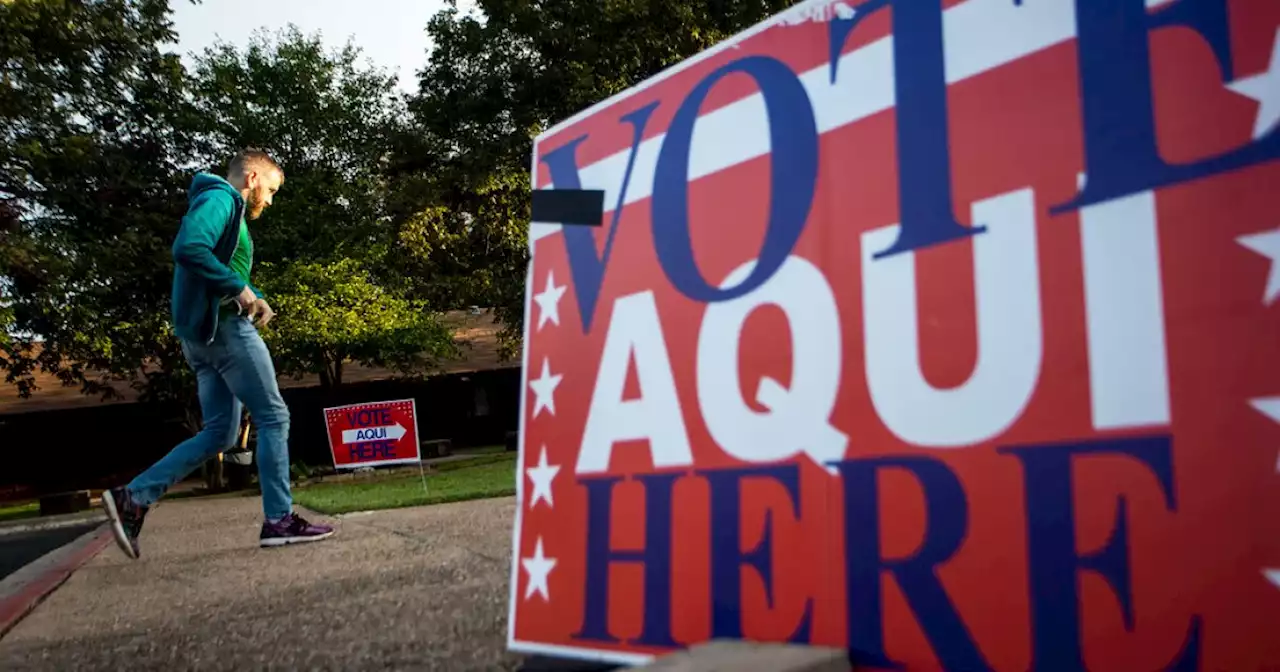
<point>292,529</point>
<point>126,518</point>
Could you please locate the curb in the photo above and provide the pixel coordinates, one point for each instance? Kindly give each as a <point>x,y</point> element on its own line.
<point>39,524</point>
<point>25,589</point>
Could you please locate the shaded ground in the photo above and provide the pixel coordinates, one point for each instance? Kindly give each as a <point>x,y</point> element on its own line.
<point>418,588</point>
<point>19,548</point>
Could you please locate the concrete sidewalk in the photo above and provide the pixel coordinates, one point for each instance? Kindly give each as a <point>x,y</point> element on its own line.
<point>422,588</point>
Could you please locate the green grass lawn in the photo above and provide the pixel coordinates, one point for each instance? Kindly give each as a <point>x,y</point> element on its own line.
<point>19,511</point>
<point>487,476</point>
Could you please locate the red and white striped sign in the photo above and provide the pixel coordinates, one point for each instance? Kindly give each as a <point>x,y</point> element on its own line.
<point>943,332</point>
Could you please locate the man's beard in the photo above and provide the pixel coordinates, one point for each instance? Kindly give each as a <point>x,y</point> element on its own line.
<point>255,207</point>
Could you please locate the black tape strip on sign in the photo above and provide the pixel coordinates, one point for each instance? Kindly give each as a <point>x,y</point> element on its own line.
<point>578,207</point>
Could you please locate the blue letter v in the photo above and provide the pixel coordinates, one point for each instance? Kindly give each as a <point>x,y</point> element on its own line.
<point>580,242</point>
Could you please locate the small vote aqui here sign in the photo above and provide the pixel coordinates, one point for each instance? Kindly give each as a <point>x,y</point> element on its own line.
<point>373,434</point>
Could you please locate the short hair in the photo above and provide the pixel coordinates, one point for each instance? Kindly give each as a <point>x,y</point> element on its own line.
<point>251,157</point>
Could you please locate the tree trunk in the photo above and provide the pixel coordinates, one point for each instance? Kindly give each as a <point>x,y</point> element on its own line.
<point>331,372</point>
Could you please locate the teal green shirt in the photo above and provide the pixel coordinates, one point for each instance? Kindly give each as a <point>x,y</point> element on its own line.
<point>241,260</point>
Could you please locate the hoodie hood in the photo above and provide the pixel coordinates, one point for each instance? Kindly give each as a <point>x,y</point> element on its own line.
<point>203,182</point>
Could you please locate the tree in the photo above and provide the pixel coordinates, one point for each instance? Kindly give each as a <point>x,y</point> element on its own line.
<point>100,133</point>
<point>496,78</point>
<point>95,133</point>
<point>332,313</point>
<point>466,245</point>
<point>328,118</point>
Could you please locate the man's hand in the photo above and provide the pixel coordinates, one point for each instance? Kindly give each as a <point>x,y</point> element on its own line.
<point>247,301</point>
<point>263,312</point>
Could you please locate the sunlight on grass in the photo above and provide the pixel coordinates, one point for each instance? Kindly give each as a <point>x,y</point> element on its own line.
<point>19,511</point>
<point>494,477</point>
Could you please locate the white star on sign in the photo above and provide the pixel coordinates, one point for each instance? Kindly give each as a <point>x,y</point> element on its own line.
<point>549,302</point>
<point>1273,575</point>
<point>1267,244</point>
<point>544,389</point>
<point>542,476</point>
<point>1263,87</point>
<point>1270,407</point>
<point>538,567</point>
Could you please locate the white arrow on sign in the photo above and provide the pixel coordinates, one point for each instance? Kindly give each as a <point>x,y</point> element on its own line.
<point>389,433</point>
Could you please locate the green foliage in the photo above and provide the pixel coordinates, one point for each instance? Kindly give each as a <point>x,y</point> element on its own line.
<point>330,313</point>
<point>467,247</point>
<point>101,134</point>
<point>8,321</point>
<point>328,118</point>
<point>496,78</point>
<point>95,129</point>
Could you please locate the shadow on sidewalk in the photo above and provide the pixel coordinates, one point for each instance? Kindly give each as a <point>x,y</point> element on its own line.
<point>546,664</point>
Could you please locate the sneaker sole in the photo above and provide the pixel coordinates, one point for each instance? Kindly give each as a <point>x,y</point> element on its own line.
<point>276,542</point>
<point>117,529</point>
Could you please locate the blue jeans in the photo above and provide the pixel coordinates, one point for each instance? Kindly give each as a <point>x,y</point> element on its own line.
<point>236,367</point>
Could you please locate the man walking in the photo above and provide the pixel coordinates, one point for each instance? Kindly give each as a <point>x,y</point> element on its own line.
<point>216,315</point>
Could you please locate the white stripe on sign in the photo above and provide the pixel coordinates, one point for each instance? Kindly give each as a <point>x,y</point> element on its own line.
<point>739,132</point>
<point>389,433</point>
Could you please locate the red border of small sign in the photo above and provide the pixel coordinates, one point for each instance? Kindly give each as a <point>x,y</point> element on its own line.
<point>413,404</point>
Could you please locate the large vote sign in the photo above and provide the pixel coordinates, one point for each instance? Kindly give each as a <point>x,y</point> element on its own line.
<point>943,332</point>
